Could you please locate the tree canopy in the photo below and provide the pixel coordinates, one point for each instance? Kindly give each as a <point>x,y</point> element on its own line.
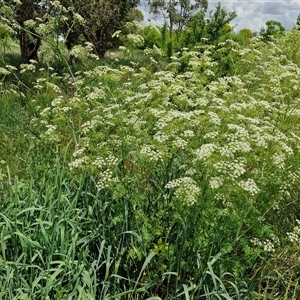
<point>177,13</point>
<point>273,28</point>
<point>298,22</point>
<point>102,19</point>
<point>213,28</point>
<point>95,20</point>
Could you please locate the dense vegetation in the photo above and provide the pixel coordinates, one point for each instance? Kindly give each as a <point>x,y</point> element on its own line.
<point>158,172</point>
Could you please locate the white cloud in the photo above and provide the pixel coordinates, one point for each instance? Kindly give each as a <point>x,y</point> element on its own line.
<point>250,14</point>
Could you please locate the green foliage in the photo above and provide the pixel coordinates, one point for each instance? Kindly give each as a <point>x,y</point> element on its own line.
<point>4,31</point>
<point>177,14</point>
<point>274,28</point>
<point>216,24</point>
<point>132,35</point>
<point>246,33</point>
<point>195,31</point>
<point>244,37</point>
<point>6,42</point>
<point>96,21</point>
<point>135,15</point>
<point>101,20</point>
<point>298,22</point>
<point>153,36</point>
<point>149,180</point>
<point>291,43</point>
<point>213,30</point>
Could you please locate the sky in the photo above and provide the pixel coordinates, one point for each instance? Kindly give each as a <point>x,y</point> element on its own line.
<point>250,14</point>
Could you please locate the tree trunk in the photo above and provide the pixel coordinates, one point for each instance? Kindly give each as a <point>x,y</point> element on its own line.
<point>99,42</point>
<point>29,49</point>
<point>171,29</point>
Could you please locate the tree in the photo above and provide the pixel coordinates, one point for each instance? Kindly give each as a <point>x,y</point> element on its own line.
<point>33,21</point>
<point>298,23</point>
<point>177,12</point>
<point>246,32</point>
<point>152,36</point>
<point>194,31</point>
<point>213,29</point>
<point>217,22</point>
<point>244,36</point>
<point>102,19</point>
<point>20,15</point>
<point>135,14</point>
<point>274,28</point>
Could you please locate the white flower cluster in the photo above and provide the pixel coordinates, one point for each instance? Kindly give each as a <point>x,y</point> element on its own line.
<point>150,153</point>
<point>51,133</point>
<point>279,160</point>
<point>78,163</point>
<point>294,236</point>
<point>45,112</point>
<point>275,239</point>
<point>79,152</point>
<point>106,178</point>
<point>44,29</point>
<point>57,101</point>
<point>233,169</point>
<point>216,182</point>
<point>190,171</point>
<point>105,166</point>
<point>161,137</point>
<point>286,148</point>
<point>27,67</point>
<point>240,131</point>
<point>211,135</point>
<point>89,125</point>
<point>268,245</point>
<point>188,133</point>
<point>165,76</point>
<point>135,39</point>
<point>205,151</point>
<point>209,72</point>
<point>11,68</point>
<point>50,129</point>
<point>173,115</point>
<point>54,87</point>
<point>186,189</point>
<point>76,51</point>
<point>214,118</point>
<point>105,162</point>
<point>249,186</point>
<point>179,143</point>
<point>231,148</point>
<point>4,71</point>
<point>57,4</point>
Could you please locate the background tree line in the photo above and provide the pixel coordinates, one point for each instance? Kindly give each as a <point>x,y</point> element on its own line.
<point>186,24</point>
<point>95,21</point>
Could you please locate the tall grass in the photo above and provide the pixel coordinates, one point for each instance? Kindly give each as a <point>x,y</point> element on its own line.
<point>128,181</point>
<point>59,240</point>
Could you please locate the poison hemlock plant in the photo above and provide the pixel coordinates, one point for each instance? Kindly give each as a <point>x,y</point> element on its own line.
<point>155,183</point>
